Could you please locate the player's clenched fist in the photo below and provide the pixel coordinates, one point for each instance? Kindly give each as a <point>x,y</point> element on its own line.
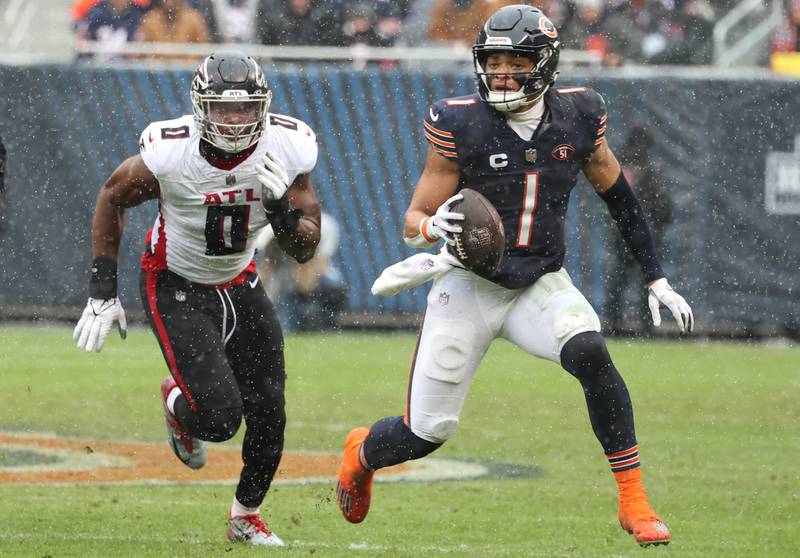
<point>96,321</point>
<point>273,177</point>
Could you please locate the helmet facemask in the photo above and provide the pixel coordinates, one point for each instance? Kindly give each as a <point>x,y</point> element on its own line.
<point>533,84</point>
<point>231,121</point>
<point>230,100</point>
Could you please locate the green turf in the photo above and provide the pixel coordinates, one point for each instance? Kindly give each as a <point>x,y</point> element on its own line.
<point>717,425</point>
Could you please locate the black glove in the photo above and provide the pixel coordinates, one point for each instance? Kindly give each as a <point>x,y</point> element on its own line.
<point>282,216</point>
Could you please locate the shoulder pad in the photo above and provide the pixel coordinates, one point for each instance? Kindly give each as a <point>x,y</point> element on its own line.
<point>443,122</point>
<point>290,124</point>
<point>591,106</point>
<point>161,143</point>
<point>302,156</point>
<point>588,101</point>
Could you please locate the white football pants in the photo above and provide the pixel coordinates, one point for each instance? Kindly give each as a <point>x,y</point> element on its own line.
<point>465,314</point>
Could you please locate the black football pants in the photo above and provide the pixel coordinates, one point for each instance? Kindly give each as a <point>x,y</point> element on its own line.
<point>224,347</point>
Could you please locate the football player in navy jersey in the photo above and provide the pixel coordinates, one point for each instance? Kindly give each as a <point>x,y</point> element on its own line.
<point>521,143</point>
<point>220,176</point>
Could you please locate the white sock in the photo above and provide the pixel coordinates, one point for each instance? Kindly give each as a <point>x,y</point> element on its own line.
<point>171,397</point>
<point>238,509</point>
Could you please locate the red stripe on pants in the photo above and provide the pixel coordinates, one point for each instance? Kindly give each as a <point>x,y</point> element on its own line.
<point>161,333</point>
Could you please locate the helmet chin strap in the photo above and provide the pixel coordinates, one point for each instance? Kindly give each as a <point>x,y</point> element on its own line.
<point>507,101</point>
<point>227,145</point>
<point>230,143</point>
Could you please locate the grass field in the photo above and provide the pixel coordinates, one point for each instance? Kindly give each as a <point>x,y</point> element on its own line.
<point>717,424</point>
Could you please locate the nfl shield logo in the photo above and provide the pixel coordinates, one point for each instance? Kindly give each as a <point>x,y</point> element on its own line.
<point>530,155</point>
<point>444,298</point>
<point>230,180</point>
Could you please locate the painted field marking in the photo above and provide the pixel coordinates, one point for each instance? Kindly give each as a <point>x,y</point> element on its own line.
<point>67,460</point>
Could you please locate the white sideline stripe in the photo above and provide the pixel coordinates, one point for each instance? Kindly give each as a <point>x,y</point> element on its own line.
<point>458,550</point>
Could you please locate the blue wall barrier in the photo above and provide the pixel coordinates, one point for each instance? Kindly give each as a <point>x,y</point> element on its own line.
<point>67,128</point>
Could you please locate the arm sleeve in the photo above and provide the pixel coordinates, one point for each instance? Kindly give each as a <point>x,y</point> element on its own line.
<point>626,210</point>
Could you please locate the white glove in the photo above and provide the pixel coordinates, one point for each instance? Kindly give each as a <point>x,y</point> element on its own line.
<point>439,226</point>
<point>661,293</point>
<point>272,176</point>
<point>96,321</point>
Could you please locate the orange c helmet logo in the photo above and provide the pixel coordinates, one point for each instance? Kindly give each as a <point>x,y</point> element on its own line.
<point>546,26</point>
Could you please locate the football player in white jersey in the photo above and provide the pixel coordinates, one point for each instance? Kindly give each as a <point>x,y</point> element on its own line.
<point>220,176</point>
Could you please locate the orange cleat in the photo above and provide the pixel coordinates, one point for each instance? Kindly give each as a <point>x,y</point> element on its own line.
<point>647,531</point>
<point>638,518</point>
<point>354,484</point>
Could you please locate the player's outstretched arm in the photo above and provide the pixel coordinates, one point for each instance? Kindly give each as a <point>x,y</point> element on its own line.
<point>428,217</point>
<point>292,209</point>
<point>129,185</point>
<point>605,174</point>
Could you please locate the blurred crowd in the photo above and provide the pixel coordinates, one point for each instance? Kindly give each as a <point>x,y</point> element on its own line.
<point>618,31</point>
<point>786,37</point>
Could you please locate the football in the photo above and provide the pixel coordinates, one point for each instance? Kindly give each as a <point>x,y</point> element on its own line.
<point>481,243</point>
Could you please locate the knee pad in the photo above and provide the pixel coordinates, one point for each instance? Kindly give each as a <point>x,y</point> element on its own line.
<point>585,354</point>
<point>574,320</point>
<point>450,345</point>
<point>435,428</point>
<point>218,425</point>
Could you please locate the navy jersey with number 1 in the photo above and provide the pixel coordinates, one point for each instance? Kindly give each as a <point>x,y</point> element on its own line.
<point>529,182</point>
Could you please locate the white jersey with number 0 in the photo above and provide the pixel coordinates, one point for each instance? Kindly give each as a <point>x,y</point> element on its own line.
<point>209,217</point>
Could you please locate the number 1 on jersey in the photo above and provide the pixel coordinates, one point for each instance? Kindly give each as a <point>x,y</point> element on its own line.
<point>530,199</point>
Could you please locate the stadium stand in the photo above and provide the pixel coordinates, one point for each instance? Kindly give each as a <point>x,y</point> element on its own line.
<point>19,41</point>
<point>685,32</point>
<point>684,106</point>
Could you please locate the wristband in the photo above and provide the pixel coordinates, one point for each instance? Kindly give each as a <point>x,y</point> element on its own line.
<point>103,283</point>
<point>426,234</point>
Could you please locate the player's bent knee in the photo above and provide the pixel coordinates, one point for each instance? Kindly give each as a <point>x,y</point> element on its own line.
<point>585,354</point>
<point>579,320</point>
<point>436,429</point>
<point>218,425</point>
